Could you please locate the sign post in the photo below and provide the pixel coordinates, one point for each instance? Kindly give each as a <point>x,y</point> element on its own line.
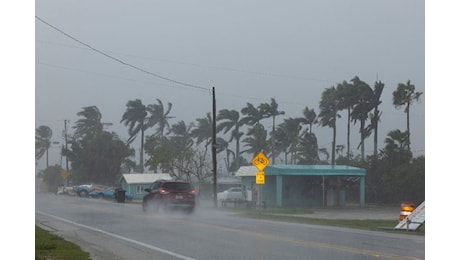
<point>260,161</point>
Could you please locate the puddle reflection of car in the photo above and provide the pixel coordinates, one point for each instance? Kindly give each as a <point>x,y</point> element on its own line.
<point>109,194</point>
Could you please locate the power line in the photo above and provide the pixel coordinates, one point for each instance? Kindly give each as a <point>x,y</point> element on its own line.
<point>118,60</point>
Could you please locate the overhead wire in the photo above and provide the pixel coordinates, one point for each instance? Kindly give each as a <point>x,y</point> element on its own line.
<point>118,60</point>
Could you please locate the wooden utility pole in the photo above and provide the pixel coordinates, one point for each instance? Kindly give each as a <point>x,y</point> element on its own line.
<point>214,148</point>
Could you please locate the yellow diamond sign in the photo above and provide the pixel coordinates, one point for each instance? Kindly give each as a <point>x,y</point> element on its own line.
<point>260,161</point>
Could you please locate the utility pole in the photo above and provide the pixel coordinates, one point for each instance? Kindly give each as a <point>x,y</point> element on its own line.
<point>66,160</point>
<point>214,148</point>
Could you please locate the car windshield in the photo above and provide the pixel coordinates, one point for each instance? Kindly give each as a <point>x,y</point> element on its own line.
<point>178,186</point>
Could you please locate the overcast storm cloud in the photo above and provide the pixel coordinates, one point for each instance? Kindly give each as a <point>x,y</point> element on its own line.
<point>105,53</point>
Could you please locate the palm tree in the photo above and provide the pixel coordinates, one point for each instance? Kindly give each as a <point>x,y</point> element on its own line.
<point>289,131</point>
<point>222,145</point>
<point>230,120</point>
<point>310,118</point>
<point>256,140</point>
<point>159,117</point>
<point>329,107</point>
<point>271,110</point>
<point>135,118</point>
<point>405,95</point>
<point>90,123</point>
<point>43,136</point>
<point>253,114</point>
<point>375,116</point>
<point>348,95</point>
<point>362,108</point>
<point>203,131</point>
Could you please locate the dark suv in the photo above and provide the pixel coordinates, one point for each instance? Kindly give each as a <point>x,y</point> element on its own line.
<point>169,195</point>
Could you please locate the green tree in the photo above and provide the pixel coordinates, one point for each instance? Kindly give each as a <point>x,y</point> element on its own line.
<point>223,145</point>
<point>253,114</point>
<point>90,124</point>
<point>230,120</point>
<point>329,107</point>
<point>307,151</point>
<point>52,177</point>
<point>135,118</point>
<point>271,110</point>
<point>348,97</point>
<point>361,109</point>
<point>97,158</point>
<point>203,131</point>
<point>159,117</point>
<point>405,95</point>
<point>375,116</point>
<point>256,140</point>
<point>43,136</point>
<point>309,118</point>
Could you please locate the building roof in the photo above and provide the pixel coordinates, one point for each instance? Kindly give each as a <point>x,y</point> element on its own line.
<point>246,171</point>
<point>306,170</point>
<point>131,178</point>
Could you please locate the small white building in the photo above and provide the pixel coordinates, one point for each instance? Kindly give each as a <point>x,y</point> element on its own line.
<point>135,183</point>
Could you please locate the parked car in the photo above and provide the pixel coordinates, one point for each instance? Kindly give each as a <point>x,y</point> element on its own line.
<point>109,193</point>
<point>169,195</point>
<point>84,189</point>
<point>234,193</point>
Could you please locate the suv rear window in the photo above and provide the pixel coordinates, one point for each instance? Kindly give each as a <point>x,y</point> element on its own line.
<point>179,186</point>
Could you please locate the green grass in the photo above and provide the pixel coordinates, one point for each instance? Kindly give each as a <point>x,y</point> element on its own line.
<point>280,214</point>
<point>52,247</point>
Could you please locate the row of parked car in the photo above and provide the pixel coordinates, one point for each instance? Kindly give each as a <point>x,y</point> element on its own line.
<point>100,192</point>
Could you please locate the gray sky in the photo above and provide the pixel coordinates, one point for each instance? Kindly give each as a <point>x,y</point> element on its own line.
<point>249,51</point>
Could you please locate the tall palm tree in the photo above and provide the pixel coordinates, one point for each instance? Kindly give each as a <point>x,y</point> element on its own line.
<point>329,107</point>
<point>309,118</point>
<point>405,95</point>
<point>256,140</point>
<point>230,120</point>
<point>135,118</point>
<point>291,128</point>
<point>375,116</point>
<point>222,145</point>
<point>160,117</point>
<point>203,131</point>
<point>43,136</point>
<point>362,108</point>
<point>90,123</point>
<point>348,95</point>
<point>271,110</point>
<point>253,114</point>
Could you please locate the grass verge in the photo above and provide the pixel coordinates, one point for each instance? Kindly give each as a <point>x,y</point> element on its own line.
<point>52,247</point>
<point>289,215</point>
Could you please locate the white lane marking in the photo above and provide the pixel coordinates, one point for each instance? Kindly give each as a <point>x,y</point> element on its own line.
<point>120,237</point>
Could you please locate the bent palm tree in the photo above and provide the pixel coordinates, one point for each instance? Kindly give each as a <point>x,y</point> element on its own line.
<point>134,117</point>
<point>159,117</point>
<point>43,136</point>
<point>405,95</point>
<point>271,110</point>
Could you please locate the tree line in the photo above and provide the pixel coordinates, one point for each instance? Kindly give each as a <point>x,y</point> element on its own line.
<point>183,149</point>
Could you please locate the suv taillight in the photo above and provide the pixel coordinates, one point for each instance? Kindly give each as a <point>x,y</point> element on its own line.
<point>192,191</point>
<point>164,191</point>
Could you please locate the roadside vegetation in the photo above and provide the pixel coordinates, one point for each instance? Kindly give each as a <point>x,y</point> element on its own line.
<point>52,247</point>
<point>183,149</point>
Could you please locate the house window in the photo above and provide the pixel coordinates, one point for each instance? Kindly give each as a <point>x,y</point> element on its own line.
<point>139,189</point>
